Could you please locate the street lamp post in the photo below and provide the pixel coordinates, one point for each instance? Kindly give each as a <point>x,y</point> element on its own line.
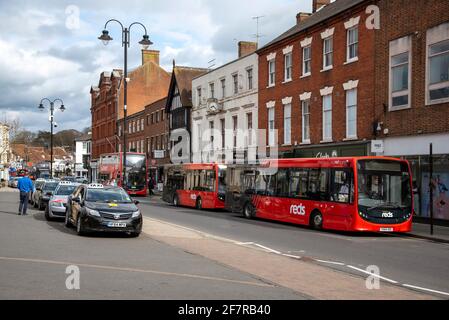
<point>52,109</point>
<point>145,42</point>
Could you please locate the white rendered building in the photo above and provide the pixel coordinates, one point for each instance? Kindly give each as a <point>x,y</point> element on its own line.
<point>224,112</point>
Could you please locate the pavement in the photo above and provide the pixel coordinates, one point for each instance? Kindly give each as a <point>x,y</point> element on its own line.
<point>190,254</point>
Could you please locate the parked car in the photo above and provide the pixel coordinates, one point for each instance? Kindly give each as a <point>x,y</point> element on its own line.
<point>96,207</point>
<point>58,201</point>
<point>13,181</point>
<point>44,193</point>
<point>37,184</point>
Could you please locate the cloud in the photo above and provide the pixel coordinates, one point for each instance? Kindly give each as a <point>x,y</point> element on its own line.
<point>41,57</point>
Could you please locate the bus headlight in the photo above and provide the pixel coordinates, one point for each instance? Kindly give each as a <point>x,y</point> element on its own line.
<point>136,214</point>
<point>93,213</point>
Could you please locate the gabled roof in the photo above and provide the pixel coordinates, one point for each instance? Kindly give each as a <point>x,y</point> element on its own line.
<point>182,77</point>
<point>325,13</point>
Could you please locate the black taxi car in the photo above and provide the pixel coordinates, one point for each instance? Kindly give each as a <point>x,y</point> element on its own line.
<point>94,207</point>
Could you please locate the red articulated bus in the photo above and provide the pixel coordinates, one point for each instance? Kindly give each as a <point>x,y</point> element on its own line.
<point>110,172</point>
<point>372,194</point>
<point>195,185</point>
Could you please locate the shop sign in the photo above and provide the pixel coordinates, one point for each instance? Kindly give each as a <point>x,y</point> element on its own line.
<point>377,146</point>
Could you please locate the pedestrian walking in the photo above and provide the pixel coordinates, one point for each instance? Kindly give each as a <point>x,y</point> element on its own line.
<point>151,186</point>
<point>25,185</point>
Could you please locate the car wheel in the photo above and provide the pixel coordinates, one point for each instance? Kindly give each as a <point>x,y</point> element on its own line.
<point>176,200</point>
<point>67,222</point>
<point>248,211</point>
<point>316,220</point>
<point>199,204</point>
<point>47,214</point>
<point>79,226</point>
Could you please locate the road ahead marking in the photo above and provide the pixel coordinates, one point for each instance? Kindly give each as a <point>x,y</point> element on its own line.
<point>372,274</point>
<point>425,289</point>
<point>183,275</point>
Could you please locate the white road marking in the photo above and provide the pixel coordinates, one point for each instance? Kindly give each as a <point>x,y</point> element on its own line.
<point>266,248</point>
<point>291,256</point>
<point>425,289</point>
<point>371,274</point>
<point>164,273</point>
<point>331,262</point>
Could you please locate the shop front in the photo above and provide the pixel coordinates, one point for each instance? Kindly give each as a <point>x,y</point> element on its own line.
<point>416,150</point>
<point>358,149</point>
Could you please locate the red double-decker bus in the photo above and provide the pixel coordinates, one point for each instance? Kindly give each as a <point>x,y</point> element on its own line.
<point>110,172</point>
<point>350,194</point>
<point>202,186</point>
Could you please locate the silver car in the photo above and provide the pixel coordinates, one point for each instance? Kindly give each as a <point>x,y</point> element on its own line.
<point>58,201</point>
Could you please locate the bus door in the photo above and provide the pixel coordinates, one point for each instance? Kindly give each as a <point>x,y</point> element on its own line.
<point>341,188</point>
<point>265,200</point>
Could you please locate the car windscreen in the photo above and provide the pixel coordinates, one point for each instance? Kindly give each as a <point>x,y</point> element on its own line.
<point>65,190</point>
<point>50,186</point>
<point>108,195</point>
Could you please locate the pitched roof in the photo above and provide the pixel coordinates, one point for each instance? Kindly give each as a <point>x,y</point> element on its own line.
<point>184,77</point>
<point>327,12</point>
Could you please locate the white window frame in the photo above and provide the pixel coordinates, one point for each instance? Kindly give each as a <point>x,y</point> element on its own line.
<point>235,84</point>
<point>271,73</point>
<point>223,88</point>
<point>330,53</point>
<point>352,90</point>
<point>304,114</point>
<point>212,90</point>
<point>304,61</point>
<point>271,129</point>
<point>287,124</point>
<point>349,44</point>
<point>397,47</point>
<point>435,35</point>
<point>325,113</point>
<point>288,67</point>
<point>250,80</point>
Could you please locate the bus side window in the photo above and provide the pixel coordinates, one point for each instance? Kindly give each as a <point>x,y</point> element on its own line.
<point>282,183</point>
<point>341,186</point>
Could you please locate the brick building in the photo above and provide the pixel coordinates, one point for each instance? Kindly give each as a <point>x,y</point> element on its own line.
<point>135,133</point>
<point>156,134</point>
<point>412,93</point>
<point>104,101</point>
<point>316,83</point>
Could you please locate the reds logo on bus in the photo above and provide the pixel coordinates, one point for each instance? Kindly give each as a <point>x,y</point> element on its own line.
<point>298,210</point>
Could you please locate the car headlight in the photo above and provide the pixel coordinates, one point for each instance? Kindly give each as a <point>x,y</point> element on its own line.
<point>136,214</point>
<point>93,213</point>
<point>56,204</point>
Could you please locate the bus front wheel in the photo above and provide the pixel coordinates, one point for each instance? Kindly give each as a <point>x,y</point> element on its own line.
<point>316,220</point>
<point>248,211</point>
<point>199,204</point>
<point>175,201</point>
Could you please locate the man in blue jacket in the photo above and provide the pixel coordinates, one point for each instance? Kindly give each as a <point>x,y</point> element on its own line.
<point>25,185</point>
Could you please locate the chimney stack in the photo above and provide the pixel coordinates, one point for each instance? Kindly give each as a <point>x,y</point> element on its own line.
<point>302,16</point>
<point>246,48</point>
<point>318,4</point>
<point>150,55</point>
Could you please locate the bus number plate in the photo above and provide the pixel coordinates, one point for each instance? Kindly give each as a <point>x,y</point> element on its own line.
<point>386,229</point>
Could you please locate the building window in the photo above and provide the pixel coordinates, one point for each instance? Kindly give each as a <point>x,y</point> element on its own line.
<point>353,44</point>
<point>305,105</point>
<point>271,73</point>
<point>306,60</point>
<point>287,124</point>
<point>327,53</point>
<point>142,124</point>
<point>351,114</point>
<point>271,127</point>
<point>130,126</point>
<point>288,67</point>
<point>211,129</point>
<point>234,131</point>
<point>249,127</point>
<point>249,74</point>
<point>235,79</point>
<point>212,90</point>
<point>327,118</point>
<point>439,71</point>
<point>198,94</point>
<point>223,132</point>
<point>400,70</point>
<point>223,88</point>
